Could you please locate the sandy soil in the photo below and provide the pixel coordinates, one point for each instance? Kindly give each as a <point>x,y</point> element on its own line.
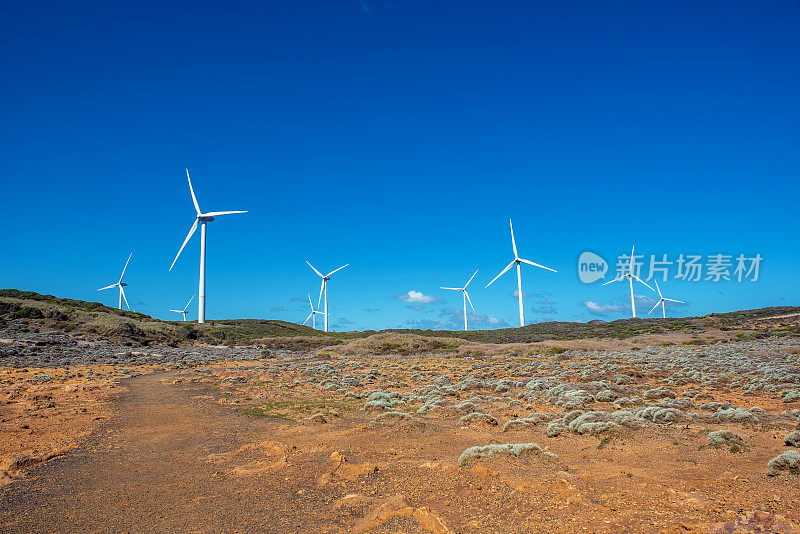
<point>259,446</point>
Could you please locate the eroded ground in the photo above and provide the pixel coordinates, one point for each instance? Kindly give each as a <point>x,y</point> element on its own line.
<point>573,441</point>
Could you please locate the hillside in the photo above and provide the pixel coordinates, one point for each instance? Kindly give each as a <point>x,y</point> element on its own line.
<point>27,310</point>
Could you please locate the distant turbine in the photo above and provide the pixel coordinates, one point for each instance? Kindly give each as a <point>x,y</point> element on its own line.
<point>324,289</point>
<point>630,276</point>
<point>312,315</point>
<point>202,218</point>
<point>662,300</point>
<point>120,285</point>
<point>183,311</point>
<point>465,297</point>
<point>516,261</point>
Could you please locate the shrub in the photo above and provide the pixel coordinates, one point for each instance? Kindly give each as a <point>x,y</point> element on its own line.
<point>606,396</point>
<point>724,437</point>
<point>527,422</point>
<point>734,415</point>
<point>555,428</point>
<point>787,461</point>
<point>514,449</point>
<point>792,438</point>
<point>477,417</point>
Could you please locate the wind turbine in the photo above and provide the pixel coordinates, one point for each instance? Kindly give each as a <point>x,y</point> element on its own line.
<point>313,314</point>
<point>183,311</point>
<point>465,297</point>
<point>120,285</point>
<point>630,276</point>
<point>202,218</point>
<point>517,261</point>
<point>324,289</point>
<point>662,300</point>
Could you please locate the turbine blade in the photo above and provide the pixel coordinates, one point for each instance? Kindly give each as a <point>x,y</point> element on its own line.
<point>109,287</point>
<point>452,288</point>
<point>654,307</point>
<point>188,237</point>
<point>659,289</point>
<point>178,311</point>
<point>673,300</point>
<point>513,241</point>
<point>217,213</point>
<point>126,266</point>
<point>529,262</point>
<point>339,269</point>
<point>470,278</point>
<point>310,303</point>
<point>315,270</point>
<point>630,265</point>
<point>469,300</point>
<point>642,281</point>
<point>615,280</point>
<point>310,315</point>
<point>321,287</point>
<point>191,190</point>
<point>502,272</point>
<point>187,304</point>
<point>121,290</point>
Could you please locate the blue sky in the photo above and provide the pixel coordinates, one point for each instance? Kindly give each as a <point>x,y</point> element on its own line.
<point>399,137</point>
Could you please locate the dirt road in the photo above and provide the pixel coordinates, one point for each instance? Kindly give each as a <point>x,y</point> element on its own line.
<point>152,467</point>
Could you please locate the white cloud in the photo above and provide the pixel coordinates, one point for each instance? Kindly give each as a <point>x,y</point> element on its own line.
<point>418,297</point>
<point>603,309</point>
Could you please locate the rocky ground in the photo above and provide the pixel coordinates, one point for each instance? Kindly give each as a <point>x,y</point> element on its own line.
<point>657,438</point>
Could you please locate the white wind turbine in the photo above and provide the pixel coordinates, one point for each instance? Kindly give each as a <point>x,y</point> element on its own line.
<point>120,285</point>
<point>662,300</point>
<point>465,296</point>
<point>183,311</point>
<point>630,276</point>
<point>202,218</point>
<point>324,289</point>
<point>516,261</point>
<point>312,315</point>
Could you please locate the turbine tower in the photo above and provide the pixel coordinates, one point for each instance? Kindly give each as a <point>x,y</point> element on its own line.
<point>517,261</point>
<point>662,300</point>
<point>313,314</point>
<point>120,284</point>
<point>183,311</point>
<point>630,276</point>
<point>324,289</point>
<point>202,219</point>
<point>465,297</point>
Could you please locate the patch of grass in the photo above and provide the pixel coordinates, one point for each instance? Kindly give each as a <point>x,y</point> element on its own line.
<point>258,411</point>
<point>603,442</point>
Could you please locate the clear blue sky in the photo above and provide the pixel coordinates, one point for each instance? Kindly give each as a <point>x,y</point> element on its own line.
<point>398,136</point>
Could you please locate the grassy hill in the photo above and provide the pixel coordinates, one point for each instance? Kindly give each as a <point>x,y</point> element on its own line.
<point>32,311</point>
